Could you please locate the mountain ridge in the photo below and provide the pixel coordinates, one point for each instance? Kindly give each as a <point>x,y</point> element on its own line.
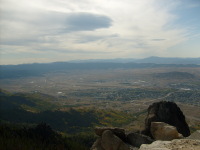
<point>39,69</point>
<point>152,59</point>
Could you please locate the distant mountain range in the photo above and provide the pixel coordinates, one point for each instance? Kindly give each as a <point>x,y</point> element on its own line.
<point>153,59</point>
<point>38,69</point>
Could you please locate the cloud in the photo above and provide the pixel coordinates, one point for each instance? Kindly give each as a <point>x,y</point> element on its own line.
<point>158,39</point>
<point>101,28</point>
<point>94,38</point>
<point>87,21</point>
<point>41,26</point>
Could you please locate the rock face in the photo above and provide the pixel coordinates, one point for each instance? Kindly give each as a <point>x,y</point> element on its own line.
<point>163,131</point>
<point>169,113</point>
<point>177,144</point>
<point>108,140</point>
<point>119,132</point>
<point>97,145</point>
<point>111,142</point>
<point>136,139</point>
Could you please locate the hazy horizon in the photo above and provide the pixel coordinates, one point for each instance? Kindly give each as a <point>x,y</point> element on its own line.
<point>44,31</point>
<point>115,60</point>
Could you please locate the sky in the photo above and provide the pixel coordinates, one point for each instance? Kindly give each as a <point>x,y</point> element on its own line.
<point>42,31</point>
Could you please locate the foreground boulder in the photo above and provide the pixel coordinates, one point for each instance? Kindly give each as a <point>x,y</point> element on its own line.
<point>163,131</point>
<point>169,113</point>
<point>108,140</point>
<point>97,145</point>
<point>177,144</point>
<point>119,132</point>
<point>136,139</point>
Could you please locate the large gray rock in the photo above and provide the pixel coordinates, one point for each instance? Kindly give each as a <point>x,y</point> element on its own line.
<point>109,141</point>
<point>119,132</point>
<point>177,144</point>
<point>163,131</point>
<point>169,113</point>
<point>136,139</point>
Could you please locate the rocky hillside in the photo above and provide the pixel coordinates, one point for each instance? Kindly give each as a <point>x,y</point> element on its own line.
<point>165,129</point>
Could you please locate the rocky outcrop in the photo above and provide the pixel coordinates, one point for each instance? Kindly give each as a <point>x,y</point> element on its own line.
<point>177,144</point>
<point>108,140</point>
<point>97,145</point>
<point>163,131</point>
<point>116,139</point>
<point>169,113</point>
<point>136,139</point>
<point>165,121</point>
<point>119,132</point>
